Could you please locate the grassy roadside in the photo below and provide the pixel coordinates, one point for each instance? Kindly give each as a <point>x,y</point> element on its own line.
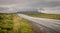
<point>51,16</point>
<point>12,23</point>
<point>25,26</point>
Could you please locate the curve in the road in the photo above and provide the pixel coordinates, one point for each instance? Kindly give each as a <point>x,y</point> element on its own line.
<point>50,23</point>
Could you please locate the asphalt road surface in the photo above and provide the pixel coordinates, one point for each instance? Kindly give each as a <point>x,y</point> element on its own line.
<point>50,24</point>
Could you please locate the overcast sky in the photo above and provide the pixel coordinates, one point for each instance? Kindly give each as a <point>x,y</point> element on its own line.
<point>47,5</point>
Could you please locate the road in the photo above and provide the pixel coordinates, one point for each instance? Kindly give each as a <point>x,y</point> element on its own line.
<point>51,24</point>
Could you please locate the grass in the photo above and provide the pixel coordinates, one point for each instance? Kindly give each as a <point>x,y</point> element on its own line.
<point>25,26</point>
<point>6,23</point>
<point>12,23</point>
<point>51,16</point>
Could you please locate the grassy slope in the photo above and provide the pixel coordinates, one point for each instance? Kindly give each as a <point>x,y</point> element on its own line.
<point>51,16</point>
<point>19,24</point>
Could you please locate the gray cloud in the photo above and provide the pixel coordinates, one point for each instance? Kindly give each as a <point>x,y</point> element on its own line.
<point>50,5</point>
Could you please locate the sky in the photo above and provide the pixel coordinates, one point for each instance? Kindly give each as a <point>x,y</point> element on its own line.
<point>49,6</point>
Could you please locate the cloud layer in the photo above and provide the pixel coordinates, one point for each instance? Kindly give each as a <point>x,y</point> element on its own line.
<point>48,5</point>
